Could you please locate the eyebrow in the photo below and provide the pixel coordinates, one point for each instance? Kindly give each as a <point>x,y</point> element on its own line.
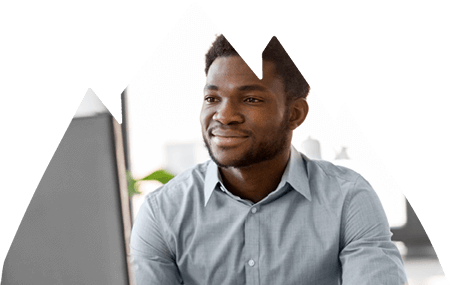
<point>211,87</point>
<point>254,87</point>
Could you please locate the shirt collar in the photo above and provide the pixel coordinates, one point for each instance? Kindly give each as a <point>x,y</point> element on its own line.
<point>211,180</point>
<point>295,174</point>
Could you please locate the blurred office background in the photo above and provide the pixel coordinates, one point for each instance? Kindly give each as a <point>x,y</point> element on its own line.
<point>163,104</point>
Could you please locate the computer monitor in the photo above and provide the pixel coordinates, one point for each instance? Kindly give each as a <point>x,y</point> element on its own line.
<point>76,228</point>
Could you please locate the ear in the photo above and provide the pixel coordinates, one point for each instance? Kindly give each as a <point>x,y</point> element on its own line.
<point>298,111</point>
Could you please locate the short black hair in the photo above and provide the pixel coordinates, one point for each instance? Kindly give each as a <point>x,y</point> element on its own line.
<point>295,84</point>
<point>221,47</point>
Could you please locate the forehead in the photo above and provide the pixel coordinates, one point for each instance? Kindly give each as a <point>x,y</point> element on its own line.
<point>232,72</point>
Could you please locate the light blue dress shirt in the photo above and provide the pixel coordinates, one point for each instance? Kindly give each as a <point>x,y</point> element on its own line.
<point>324,224</point>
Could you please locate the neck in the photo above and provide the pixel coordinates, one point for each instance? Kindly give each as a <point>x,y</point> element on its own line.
<point>256,181</point>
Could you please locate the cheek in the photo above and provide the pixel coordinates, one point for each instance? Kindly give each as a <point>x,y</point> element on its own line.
<point>205,117</point>
<point>269,119</point>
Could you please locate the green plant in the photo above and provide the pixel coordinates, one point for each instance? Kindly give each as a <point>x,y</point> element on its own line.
<point>162,176</point>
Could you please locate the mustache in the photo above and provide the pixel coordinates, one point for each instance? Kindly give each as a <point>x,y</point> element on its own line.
<point>243,132</point>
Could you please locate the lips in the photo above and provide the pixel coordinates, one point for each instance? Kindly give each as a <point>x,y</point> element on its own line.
<point>228,133</point>
<point>228,138</point>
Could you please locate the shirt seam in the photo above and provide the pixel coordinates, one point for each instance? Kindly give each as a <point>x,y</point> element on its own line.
<point>337,176</point>
<point>344,209</point>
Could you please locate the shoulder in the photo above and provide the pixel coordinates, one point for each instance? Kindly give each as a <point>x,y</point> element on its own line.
<point>329,170</point>
<point>345,190</point>
<point>183,191</point>
<point>333,181</point>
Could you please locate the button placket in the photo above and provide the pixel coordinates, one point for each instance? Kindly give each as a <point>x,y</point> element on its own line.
<point>251,246</point>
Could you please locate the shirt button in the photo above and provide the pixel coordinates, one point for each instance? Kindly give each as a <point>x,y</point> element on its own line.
<point>251,262</point>
<point>254,210</point>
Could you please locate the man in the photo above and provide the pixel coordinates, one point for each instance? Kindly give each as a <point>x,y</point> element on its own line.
<point>260,212</point>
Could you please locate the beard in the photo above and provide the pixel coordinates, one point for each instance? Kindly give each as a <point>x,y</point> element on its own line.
<point>263,151</point>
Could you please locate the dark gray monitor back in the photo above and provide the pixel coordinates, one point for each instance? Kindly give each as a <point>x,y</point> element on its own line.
<point>73,229</point>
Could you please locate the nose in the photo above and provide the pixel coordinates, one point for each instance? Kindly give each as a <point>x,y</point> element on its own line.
<point>228,113</point>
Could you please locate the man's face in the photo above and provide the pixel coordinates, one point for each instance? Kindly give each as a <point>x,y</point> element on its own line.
<point>244,119</point>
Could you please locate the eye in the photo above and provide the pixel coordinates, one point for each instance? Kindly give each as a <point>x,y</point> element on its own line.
<point>210,99</point>
<point>252,100</point>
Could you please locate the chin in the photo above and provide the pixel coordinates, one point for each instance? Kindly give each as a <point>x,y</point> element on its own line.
<point>226,157</point>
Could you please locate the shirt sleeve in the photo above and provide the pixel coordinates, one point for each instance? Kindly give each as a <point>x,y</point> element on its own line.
<point>151,258</point>
<point>368,256</point>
